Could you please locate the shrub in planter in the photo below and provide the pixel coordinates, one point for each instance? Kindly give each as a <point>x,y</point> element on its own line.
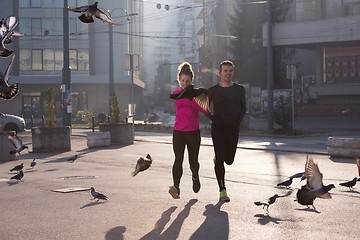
<point>50,115</point>
<point>120,132</point>
<point>115,110</point>
<point>84,117</point>
<point>282,112</point>
<point>51,138</point>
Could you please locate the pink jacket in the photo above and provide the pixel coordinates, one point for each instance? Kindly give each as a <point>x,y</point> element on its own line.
<point>187,117</point>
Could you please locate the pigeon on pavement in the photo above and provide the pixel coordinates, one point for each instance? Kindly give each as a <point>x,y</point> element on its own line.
<point>88,13</point>
<point>33,163</point>
<point>286,183</point>
<point>97,195</point>
<point>72,159</point>
<point>267,202</point>
<point>7,91</point>
<point>18,144</point>
<point>314,186</point>
<point>199,94</point>
<point>349,184</point>
<point>17,167</point>
<point>18,176</point>
<point>142,164</point>
<point>300,175</point>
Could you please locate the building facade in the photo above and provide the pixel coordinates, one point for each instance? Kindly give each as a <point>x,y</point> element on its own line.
<point>330,29</point>
<point>39,57</point>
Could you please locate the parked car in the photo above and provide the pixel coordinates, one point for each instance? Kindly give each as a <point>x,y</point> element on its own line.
<point>10,122</point>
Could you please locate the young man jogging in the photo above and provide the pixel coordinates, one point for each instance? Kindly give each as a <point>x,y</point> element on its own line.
<point>229,108</point>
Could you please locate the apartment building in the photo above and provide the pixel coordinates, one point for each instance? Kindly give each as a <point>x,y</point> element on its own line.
<point>329,28</point>
<point>39,57</point>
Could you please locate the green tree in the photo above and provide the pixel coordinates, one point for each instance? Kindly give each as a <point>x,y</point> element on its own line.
<point>50,115</point>
<point>250,57</point>
<point>115,110</point>
<point>246,46</point>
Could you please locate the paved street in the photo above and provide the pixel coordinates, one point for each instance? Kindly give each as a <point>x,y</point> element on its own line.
<point>140,207</point>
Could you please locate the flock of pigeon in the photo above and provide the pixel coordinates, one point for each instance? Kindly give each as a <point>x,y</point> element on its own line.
<point>7,31</point>
<point>314,187</point>
<point>141,165</point>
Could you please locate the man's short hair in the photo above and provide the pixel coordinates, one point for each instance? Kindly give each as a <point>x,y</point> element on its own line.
<point>226,63</point>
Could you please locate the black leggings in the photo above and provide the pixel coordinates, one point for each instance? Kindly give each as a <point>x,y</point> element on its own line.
<point>192,141</point>
<point>225,141</point>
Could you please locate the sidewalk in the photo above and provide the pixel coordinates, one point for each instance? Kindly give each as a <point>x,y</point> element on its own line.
<point>323,128</point>
<point>312,144</point>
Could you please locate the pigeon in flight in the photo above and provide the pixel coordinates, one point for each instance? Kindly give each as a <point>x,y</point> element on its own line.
<point>8,25</point>
<point>97,195</point>
<point>314,186</point>
<point>17,168</point>
<point>286,183</point>
<point>142,164</point>
<point>33,163</point>
<point>18,176</point>
<point>350,184</point>
<point>7,91</point>
<point>18,144</point>
<point>89,12</point>
<point>199,94</point>
<point>4,52</point>
<point>267,202</point>
<point>72,159</point>
<point>358,164</point>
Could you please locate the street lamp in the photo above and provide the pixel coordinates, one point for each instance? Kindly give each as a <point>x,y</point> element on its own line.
<point>111,54</point>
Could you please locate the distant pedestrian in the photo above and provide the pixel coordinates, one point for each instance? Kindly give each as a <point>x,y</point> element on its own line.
<point>228,99</point>
<point>186,133</point>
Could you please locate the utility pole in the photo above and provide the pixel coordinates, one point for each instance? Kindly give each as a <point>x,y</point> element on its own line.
<point>66,73</point>
<point>270,74</point>
<point>111,66</point>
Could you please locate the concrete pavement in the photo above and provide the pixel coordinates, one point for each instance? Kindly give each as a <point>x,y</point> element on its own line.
<point>140,207</point>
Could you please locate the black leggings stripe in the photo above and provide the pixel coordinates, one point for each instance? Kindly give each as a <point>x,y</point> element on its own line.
<point>192,141</point>
<point>225,141</point>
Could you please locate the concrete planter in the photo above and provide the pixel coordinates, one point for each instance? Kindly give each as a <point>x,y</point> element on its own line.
<point>98,139</point>
<point>56,139</point>
<point>6,146</point>
<point>343,147</point>
<point>122,133</point>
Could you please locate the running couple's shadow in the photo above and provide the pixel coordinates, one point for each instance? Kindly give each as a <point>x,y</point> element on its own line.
<point>215,226</point>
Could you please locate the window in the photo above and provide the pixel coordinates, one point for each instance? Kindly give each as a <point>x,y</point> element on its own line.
<point>58,28</point>
<point>36,63</point>
<point>35,3</point>
<point>73,59</point>
<point>59,59</point>
<point>48,59</point>
<point>36,28</point>
<point>48,27</point>
<point>31,105</point>
<point>333,9</point>
<point>24,3</point>
<point>72,28</point>
<point>25,26</point>
<point>351,8</point>
<point>307,10</point>
<point>25,59</point>
<point>52,60</point>
<point>83,60</point>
